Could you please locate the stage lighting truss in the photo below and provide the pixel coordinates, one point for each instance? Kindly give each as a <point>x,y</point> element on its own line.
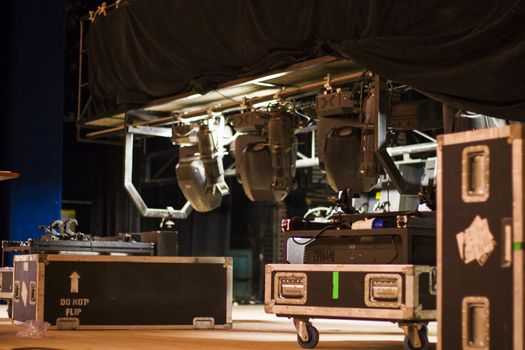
<point>348,141</point>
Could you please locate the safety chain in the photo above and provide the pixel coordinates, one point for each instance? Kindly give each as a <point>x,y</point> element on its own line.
<point>102,8</point>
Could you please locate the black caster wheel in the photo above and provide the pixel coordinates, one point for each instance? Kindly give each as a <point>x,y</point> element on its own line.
<point>423,335</point>
<point>313,338</point>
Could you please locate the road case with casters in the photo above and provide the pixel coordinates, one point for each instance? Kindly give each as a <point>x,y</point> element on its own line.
<point>480,239</point>
<point>404,294</point>
<point>119,292</point>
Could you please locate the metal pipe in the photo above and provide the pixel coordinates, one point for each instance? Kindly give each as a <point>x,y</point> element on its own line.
<point>425,135</point>
<point>403,187</point>
<point>80,65</point>
<point>300,163</point>
<point>410,149</point>
<point>306,129</point>
<point>307,163</point>
<point>289,92</point>
<point>150,131</point>
<point>135,195</point>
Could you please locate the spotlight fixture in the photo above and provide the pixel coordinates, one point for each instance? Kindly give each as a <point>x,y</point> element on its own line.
<point>346,139</point>
<point>265,153</point>
<point>200,172</point>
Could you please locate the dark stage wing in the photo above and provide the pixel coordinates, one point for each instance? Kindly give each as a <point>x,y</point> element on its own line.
<point>470,54</point>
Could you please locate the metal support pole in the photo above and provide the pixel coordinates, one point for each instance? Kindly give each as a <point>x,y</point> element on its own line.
<point>135,195</point>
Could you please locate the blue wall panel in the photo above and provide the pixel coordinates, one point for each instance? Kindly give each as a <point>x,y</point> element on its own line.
<point>32,120</point>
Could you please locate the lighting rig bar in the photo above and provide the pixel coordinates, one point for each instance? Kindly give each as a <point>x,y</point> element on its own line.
<point>203,113</point>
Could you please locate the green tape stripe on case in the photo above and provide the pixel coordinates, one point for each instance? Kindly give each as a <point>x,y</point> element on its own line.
<point>517,246</point>
<point>335,285</point>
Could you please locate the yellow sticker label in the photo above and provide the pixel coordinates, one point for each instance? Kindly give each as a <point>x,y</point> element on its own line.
<point>378,195</point>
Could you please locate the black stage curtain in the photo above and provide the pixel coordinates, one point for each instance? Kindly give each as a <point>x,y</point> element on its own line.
<point>469,54</point>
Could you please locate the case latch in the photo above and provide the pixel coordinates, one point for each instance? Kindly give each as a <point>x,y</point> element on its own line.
<point>203,322</point>
<point>383,290</point>
<point>68,323</point>
<point>290,287</point>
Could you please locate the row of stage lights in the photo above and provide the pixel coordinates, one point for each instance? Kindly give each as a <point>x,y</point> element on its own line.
<point>265,150</point>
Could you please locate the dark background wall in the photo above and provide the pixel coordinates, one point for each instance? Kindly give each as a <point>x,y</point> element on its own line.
<point>31,117</point>
<point>38,139</point>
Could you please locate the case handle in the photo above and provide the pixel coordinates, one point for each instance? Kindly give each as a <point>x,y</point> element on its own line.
<point>475,174</point>
<point>16,291</point>
<point>475,323</point>
<point>506,247</point>
<point>32,293</point>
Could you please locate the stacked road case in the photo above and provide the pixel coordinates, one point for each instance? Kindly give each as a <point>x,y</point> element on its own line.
<point>360,276</point>
<point>480,239</point>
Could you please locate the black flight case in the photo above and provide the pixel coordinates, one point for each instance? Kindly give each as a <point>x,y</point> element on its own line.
<point>119,292</point>
<point>480,239</point>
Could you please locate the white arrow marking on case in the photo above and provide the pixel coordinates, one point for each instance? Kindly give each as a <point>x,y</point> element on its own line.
<point>25,291</point>
<point>74,277</point>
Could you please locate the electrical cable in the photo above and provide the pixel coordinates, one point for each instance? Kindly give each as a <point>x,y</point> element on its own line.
<point>302,115</point>
<point>395,247</point>
<point>315,236</point>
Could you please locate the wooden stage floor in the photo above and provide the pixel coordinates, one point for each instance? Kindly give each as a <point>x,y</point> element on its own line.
<point>252,329</point>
